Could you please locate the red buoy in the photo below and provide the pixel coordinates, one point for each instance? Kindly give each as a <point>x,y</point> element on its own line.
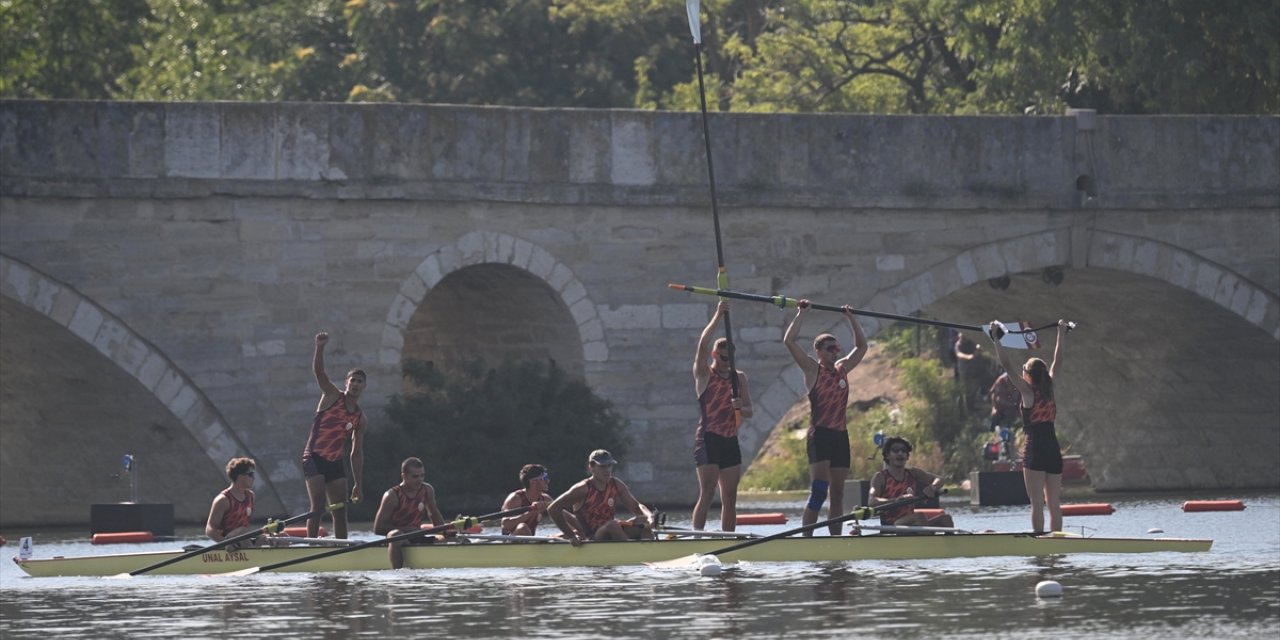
<point>1088,509</point>
<point>761,518</point>
<point>2,541</point>
<point>301,532</point>
<point>122,537</point>
<point>1213,505</point>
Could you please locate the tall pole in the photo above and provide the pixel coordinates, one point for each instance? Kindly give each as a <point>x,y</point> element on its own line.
<point>693,8</point>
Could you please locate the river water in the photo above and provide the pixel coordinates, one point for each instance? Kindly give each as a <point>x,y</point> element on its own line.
<point>1231,591</point>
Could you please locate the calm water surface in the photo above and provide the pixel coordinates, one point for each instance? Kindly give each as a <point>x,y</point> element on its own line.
<point>1232,591</point>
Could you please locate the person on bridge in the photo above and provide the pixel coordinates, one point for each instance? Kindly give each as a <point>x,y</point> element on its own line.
<point>404,506</point>
<point>897,481</point>
<point>592,501</point>
<point>716,453</point>
<point>826,378</point>
<point>535,480</point>
<point>1041,454</point>
<point>231,509</point>
<point>338,418</point>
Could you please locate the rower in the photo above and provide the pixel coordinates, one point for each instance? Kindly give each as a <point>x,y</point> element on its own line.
<point>592,502</point>
<point>897,481</point>
<point>535,480</point>
<point>231,509</point>
<point>404,506</point>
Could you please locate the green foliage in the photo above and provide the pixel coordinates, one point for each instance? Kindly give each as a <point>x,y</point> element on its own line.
<point>879,56</point>
<point>475,427</point>
<point>788,470</point>
<point>67,49</point>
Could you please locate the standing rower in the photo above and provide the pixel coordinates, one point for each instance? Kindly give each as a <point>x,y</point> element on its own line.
<point>338,419</point>
<point>716,452</point>
<point>826,378</point>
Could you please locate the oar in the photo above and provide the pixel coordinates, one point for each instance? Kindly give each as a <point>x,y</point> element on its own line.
<point>271,527</point>
<point>784,302</point>
<point>694,533</point>
<point>861,513</point>
<point>460,524</point>
<point>694,11</point>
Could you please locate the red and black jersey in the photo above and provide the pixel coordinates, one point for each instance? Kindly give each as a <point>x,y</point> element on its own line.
<point>715,405</point>
<point>598,507</point>
<point>330,430</point>
<point>410,509</point>
<point>238,511</point>
<point>828,400</point>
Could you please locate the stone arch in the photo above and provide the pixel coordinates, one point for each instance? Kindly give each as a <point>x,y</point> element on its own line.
<point>141,360</point>
<point>488,247</point>
<point>1053,247</point>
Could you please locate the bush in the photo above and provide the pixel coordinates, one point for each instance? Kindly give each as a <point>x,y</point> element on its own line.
<point>475,427</point>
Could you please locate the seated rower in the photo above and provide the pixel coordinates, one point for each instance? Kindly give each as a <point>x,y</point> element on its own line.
<point>897,481</point>
<point>404,506</point>
<point>535,479</point>
<point>231,509</point>
<point>591,502</point>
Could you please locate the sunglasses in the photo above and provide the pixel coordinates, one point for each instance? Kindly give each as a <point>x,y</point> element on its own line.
<point>899,450</point>
<point>249,473</point>
<point>416,475</point>
<point>832,348</point>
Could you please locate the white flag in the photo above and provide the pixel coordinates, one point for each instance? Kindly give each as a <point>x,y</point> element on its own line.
<point>1025,340</point>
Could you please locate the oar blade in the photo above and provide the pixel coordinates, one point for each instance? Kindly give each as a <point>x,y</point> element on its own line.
<point>239,574</point>
<point>683,562</point>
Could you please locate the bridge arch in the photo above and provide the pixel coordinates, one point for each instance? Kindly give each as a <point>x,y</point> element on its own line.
<point>107,334</point>
<point>1092,249</point>
<point>522,259</point>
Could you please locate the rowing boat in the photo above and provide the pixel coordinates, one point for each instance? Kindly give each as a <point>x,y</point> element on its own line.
<point>492,554</point>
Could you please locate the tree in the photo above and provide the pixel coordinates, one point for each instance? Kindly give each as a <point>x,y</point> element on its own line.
<point>475,427</point>
<point>67,49</point>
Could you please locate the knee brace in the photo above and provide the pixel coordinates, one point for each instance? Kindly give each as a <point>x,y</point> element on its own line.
<point>818,494</point>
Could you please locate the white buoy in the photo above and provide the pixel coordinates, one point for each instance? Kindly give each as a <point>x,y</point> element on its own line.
<point>709,566</point>
<point>1156,530</point>
<point>1048,589</point>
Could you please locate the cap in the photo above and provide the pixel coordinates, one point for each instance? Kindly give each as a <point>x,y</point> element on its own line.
<point>601,457</point>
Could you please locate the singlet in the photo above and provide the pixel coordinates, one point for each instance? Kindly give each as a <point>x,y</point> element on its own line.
<point>410,509</point>
<point>238,511</point>
<point>330,429</point>
<point>828,400</point>
<point>524,502</point>
<point>1043,410</point>
<point>598,507</point>
<point>715,406</point>
<point>893,489</point>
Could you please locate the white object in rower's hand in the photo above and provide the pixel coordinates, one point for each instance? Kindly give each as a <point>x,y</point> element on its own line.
<point>24,548</point>
<point>1026,340</point>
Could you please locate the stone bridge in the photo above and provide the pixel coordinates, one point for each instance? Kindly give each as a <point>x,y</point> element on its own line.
<point>163,268</point>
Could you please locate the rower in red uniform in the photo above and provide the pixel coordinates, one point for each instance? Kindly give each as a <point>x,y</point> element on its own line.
<point>338,419</point>
<point>826,378</point>
<point>404,506</point>
<point>717,454</point>
<point>535,480</point>
<point>897,481</point>
<point>231,509</point>
<point>593,502</point>
<point>1041,452</point>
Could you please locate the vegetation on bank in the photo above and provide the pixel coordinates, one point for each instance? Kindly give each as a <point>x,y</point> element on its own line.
<point>867,56</point>
<point>943,415</point>
<point>474,427</point>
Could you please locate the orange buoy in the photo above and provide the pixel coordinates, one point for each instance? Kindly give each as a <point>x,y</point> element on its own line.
<point>761,518</point>
<point>1213,505</point>
<point>931,513</point>
<point>1088,509</point>
<point>122,537</point>
<point>301,532</point>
